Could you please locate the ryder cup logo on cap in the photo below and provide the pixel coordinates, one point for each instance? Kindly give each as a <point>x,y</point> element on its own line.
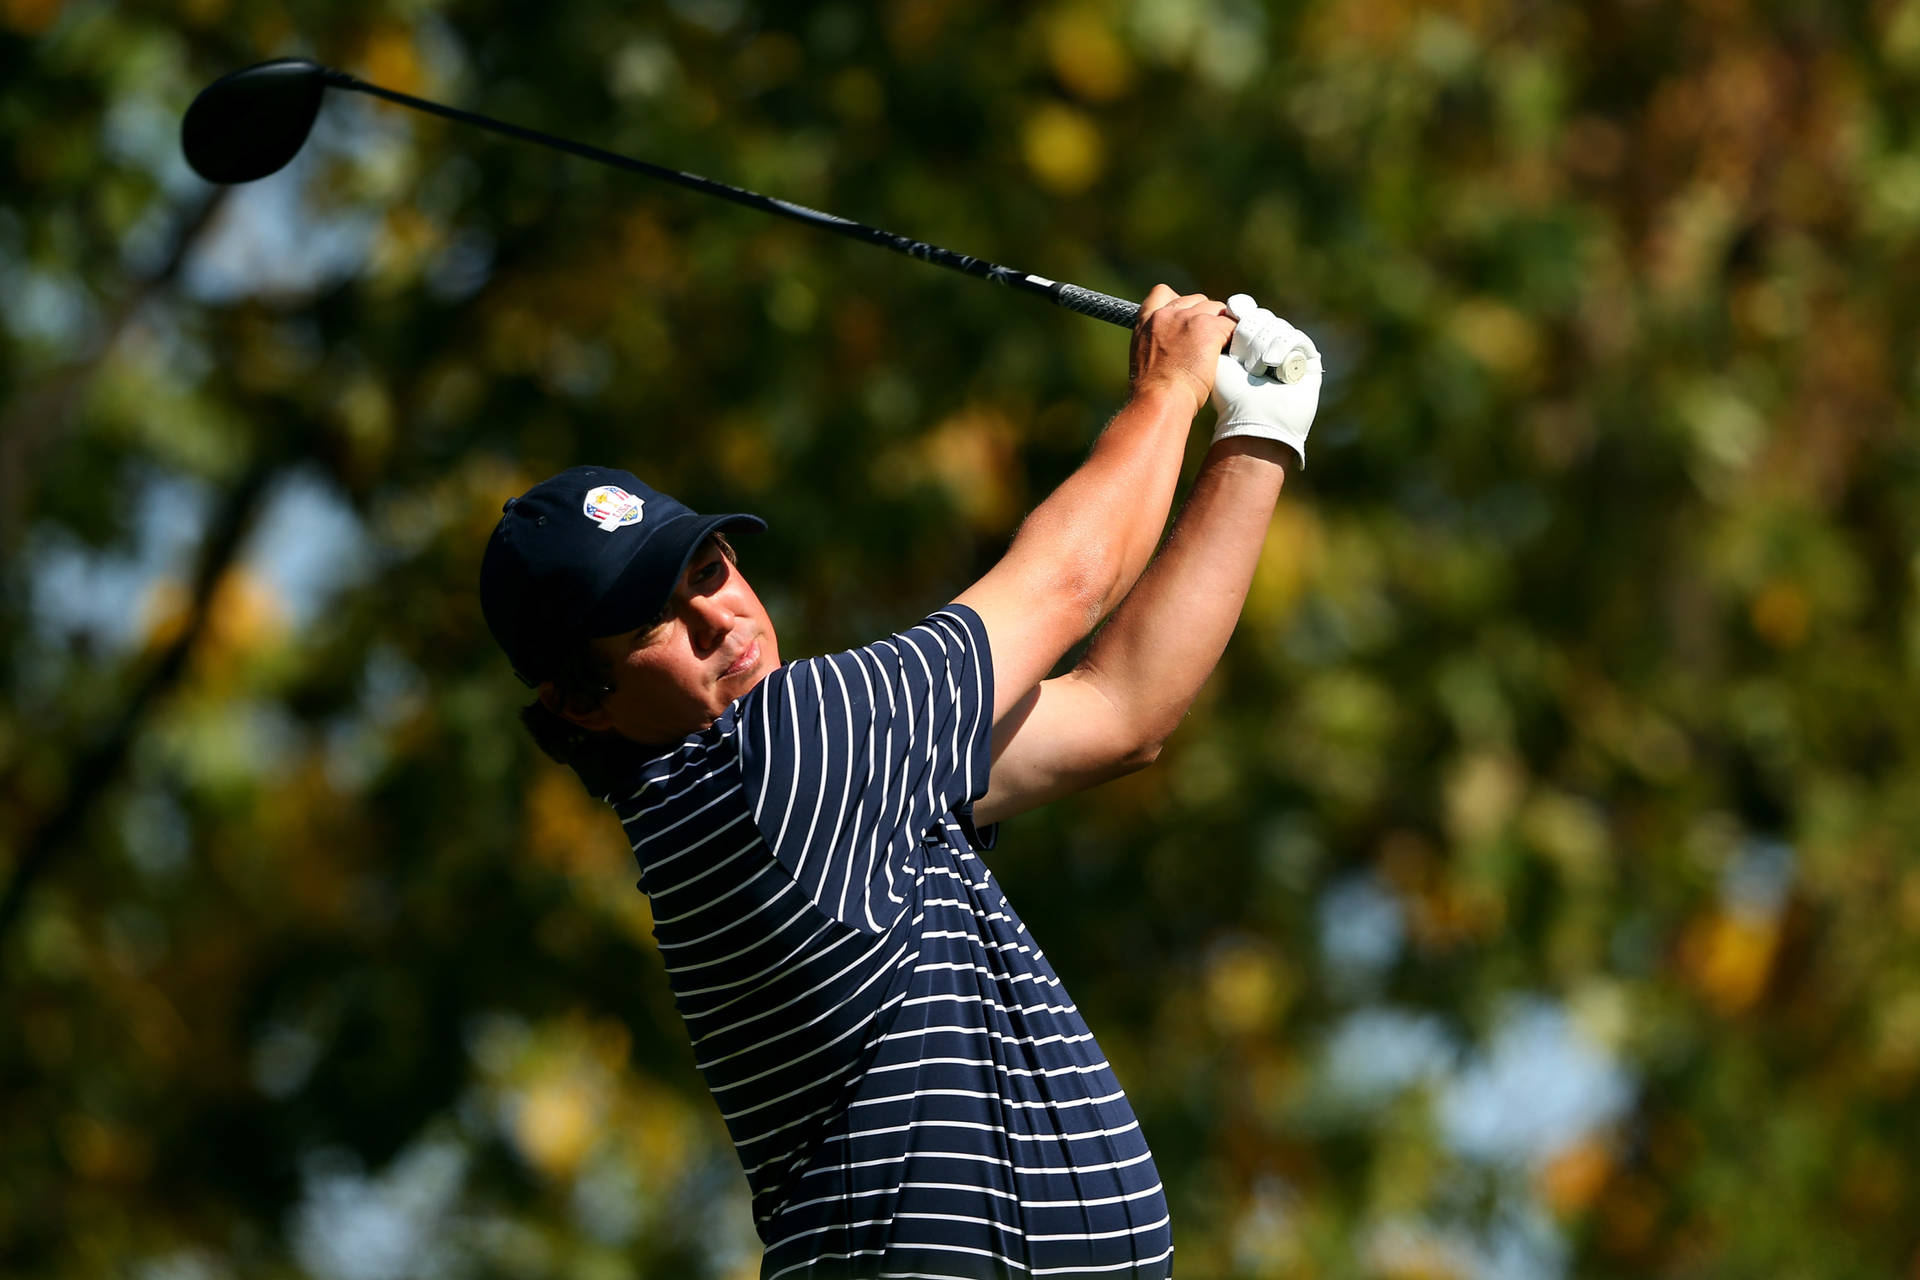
<point>610,506</point>
<point>549,581</point>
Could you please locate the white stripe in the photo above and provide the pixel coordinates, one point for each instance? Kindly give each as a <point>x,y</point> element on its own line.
<point>901,813</point>
<point>979,1127</point>
<point>814,989</point>
<point>782,1066</point>
<point>907,1242</point>
<point>970,1188</point>
<point>785,1153</point>
<point>839,822</point>
<point>1106,1235</point>
<point>746,883</point>
<point>957,997</point>
<point>879,972</point>
<point>918,1033</point>
<point>933,748</point>
<point>736,922</point>
<point>919,1216</point>
<point>779,839</point>
<point>978,886</point>
<point>775,971</point>
<point>958,760</point>
<point>886,814</point>
<point>1118,1266</point>
<point>673,969</point>
<point>697,876</point>
<point>1082,1269</point>
<point>1018,1171</point>
<point>863,1253</point>
<point>770,973</point>
<point>820,792</point>
<point>687,760</point>
<point>1036,1073</point>
<point>1018,948</point>
<point>766,752</point>
<point>1015,1263</point>
<point>981,703</point>
<point>654,835</point>
<point>961,966</point>
<point>1013,1104</point>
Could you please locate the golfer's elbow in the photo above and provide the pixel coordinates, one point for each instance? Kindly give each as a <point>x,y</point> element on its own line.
<point>1117,760</point>
<point>1134,733</point>
<point>1082,577</point>
<point>1139,755</point>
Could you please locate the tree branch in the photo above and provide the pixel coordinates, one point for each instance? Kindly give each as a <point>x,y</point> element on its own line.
<point>99,764</point>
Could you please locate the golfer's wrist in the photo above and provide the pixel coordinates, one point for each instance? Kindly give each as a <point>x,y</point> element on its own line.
<point>1256,451</point>
<point>1178,394</point>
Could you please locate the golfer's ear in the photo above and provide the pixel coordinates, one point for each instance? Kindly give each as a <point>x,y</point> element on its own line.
<point>591,716</point>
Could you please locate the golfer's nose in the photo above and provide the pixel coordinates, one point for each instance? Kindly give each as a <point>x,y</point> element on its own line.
<point>709,618</point>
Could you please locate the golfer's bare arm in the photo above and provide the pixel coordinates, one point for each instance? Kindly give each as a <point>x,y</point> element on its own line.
<point>1110,714</point>
<point>1080,551</point>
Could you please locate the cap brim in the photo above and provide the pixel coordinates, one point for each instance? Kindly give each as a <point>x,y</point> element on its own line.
<point>644,586</point>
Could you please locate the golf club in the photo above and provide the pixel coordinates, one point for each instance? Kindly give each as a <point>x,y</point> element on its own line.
<point>251,122</point>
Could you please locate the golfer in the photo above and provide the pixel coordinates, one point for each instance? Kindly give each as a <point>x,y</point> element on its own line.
<point>910,1089</point>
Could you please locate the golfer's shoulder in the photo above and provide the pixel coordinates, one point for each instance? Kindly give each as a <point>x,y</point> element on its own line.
<point>936,649</point>
<point>951,639</point>
<point>658,782</point>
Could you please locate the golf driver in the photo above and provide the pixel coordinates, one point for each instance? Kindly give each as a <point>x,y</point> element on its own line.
<point>251,122</point>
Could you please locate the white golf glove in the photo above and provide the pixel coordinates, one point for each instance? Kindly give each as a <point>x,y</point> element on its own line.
<point>1250,390</point>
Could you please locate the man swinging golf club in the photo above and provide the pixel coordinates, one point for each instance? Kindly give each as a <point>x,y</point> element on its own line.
<point>910,1089</point>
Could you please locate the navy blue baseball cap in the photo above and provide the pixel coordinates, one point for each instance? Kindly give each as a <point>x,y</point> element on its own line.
<point>590,552</point>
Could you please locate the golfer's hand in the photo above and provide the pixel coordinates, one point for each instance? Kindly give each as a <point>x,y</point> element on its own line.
<point>1248,391</point>
<point>1177,343</point>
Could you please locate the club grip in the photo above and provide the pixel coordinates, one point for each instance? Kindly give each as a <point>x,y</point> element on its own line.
<point>1101,306</point>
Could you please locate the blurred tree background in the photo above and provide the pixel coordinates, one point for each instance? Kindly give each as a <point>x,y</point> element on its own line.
<point>1534,892</point>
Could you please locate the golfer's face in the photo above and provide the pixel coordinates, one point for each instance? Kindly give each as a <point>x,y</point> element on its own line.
<point>712,643</point>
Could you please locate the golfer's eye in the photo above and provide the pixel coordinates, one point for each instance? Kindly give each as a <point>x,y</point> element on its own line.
<point>708,572</point>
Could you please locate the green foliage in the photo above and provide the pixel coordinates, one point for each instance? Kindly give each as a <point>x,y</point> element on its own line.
<point>1577,689</point>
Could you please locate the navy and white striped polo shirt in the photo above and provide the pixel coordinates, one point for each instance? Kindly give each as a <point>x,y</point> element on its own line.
<point>911,1091</point>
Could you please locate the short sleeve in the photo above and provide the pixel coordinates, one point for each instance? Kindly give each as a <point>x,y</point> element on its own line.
<point>852,760</point>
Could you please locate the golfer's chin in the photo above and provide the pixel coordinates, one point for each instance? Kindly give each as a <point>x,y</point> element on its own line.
<point>668,716</point>
<point>661,731</point>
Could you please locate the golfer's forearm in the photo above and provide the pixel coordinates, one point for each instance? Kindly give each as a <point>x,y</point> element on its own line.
<point>1163,641</point>
<point>1096,532</point>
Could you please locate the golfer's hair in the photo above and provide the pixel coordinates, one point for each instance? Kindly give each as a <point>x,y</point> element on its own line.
<point>580,680</point>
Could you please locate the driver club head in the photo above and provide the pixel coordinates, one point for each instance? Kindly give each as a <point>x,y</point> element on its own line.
<point>249,123</point>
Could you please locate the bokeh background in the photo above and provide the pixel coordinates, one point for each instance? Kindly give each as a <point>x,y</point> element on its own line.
<point>1533,892</point>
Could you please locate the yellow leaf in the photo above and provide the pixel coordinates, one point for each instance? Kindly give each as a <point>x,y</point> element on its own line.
<point>972,456</point>
<point>572,832</point>
<point>772,59</point>
<point>1289,561</point>
<point>30,17</point>
<point>914,26</point>
<point>1063,148</point>
<point>104,1152</point>
<point>1728,957</point>
<point>555,1124</point>
<point>1572,1180</point>
<point>243,615</point>
<point>1570,831</point>
<point>392,61</point>
<point>1496,335</point>
<point>1246,990</point>
<point>1482,794</point>
<point>1086,55</point>
<point>1781,614</point>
